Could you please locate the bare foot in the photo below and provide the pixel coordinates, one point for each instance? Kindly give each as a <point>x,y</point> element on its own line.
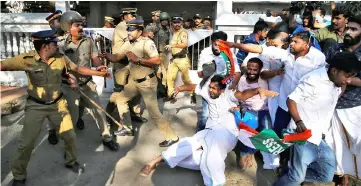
<point>147,169</point>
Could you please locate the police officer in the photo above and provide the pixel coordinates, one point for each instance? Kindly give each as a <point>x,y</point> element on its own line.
<point>178,46</point>
<point>81,49</point>
<point>207,23</point>
<point>121,68</point>
<point>143,55</point>
<point>161,39</point>
<point>108,22</point>
<point>197,21</point>
<point>54,23</point>
<point>45,68</point>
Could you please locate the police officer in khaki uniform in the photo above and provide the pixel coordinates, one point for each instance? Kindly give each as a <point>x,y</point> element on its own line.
<point>161,38</point>
<point>197,22</point>
<point>143,55</point>
<point>54,23</point>
<point>178,46</point>
<point>44,69</point>
<point>81,49</point>
<point>121,68</point>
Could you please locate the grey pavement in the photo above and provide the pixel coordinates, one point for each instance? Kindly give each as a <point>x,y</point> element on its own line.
<point>104,167</point>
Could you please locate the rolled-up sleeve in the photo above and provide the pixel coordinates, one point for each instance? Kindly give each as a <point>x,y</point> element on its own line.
<point>274,53</point>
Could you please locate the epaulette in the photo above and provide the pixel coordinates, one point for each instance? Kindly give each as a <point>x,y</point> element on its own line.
<point>28,56</point>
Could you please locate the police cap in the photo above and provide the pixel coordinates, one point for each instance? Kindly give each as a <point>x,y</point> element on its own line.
<point>208,18</point>
<point>54,15</point>
<point>45,35</point>
<point>134,24</point>
<point>126,11</point>
<point>177,18</point>
<point>197,16</point>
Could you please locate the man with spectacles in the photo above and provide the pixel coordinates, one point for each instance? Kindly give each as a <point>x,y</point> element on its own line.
<point>179,48</point>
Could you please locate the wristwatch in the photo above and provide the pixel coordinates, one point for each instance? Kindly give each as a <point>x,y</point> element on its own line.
<point>139,60</point>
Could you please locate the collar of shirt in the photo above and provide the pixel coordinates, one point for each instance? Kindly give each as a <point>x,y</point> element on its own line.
<point>38,58</point>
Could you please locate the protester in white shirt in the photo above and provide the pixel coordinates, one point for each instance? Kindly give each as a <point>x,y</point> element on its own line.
<point>210,56</point>
<point>207,149</point>
<point>311,106</point>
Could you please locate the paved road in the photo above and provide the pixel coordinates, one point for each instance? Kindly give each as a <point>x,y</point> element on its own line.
<point>104,167</point>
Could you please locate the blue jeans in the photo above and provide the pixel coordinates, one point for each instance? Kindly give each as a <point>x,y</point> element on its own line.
<point>201,124</point>
<point>264,122</point>
<point>310,163</point>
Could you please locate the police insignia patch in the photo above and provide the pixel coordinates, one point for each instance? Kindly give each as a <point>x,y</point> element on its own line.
<point>152,47</point>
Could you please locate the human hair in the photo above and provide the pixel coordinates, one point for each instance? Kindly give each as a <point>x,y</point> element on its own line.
<point>256,60</point>
<point>341,9</point>
<point>346,61</point>
<point>355,19</point>
<point>219,35</point>
<point>323,11</point>
<point>282,27</point>
<point>308,15</point>
<point>260,26</point>
<point>305,36</point>
<point>272,34</point>
<point>39,43</point>
<point>218,79</point>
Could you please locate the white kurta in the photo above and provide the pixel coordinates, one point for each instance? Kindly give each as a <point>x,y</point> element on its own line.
<point>349,118</point>
<point>219,138</point>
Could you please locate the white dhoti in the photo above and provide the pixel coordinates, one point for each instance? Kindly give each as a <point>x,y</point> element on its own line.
<point>346,150</point>
<point>272,108</point>
<point>215,142</point>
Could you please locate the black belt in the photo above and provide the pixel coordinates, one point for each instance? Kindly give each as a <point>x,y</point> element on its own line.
<point>145,78</point>
<point>45,102</point>
<point>179,56</point>
<point>80,84</point>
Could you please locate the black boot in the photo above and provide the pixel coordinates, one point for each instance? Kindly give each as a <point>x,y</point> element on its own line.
<point>52,138</point>
<point>18,182</point>
<point>80,124</point>
<point>110,143</point>
<point>76,167</point>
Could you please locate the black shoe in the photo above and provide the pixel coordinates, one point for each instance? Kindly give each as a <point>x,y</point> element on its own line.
<point>76,167</point>
<point>170,98</point>
<point>18,182</point>
<point>139,119</point>
<point>167,143</point>
<point>123,132</point>
<point>193,99</point>
<point>52,137</point>
<point>80,124</point>
<point>110,143</point>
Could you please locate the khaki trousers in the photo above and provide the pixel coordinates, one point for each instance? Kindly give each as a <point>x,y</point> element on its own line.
<point>74,98</point>
<point>35,113</point>
<point>148,91</point>
<point>181,64</point>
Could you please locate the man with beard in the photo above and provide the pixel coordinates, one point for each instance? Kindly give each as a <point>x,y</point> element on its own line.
<point>45,67</point>
<point>346,136</point>
<point>179,48</point>
<point>143,56</point>
<point>209,61</point>
<point>256,105</point>
<point>197,22</point>
<point>81,49</point>
<point>207,149</point>
<point>336,31</point>
<point>311,106</point>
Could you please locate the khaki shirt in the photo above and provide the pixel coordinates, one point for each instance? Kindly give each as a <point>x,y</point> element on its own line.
<point>44,79</point>
<point>142,47</point>
<point>329,33</point>
<point>120,36</point>
<point>180,36</point>
<point>80,53</point>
